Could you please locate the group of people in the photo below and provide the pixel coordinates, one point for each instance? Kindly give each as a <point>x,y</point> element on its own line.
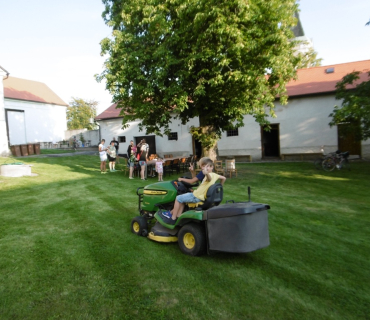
<point>108,153</point>
<point>140,154</point>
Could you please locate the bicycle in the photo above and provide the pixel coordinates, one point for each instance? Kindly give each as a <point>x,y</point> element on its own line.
<point>318,162</point>
<point>337,160</point>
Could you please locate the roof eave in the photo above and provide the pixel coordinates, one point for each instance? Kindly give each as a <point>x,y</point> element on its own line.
<point>44,102</point>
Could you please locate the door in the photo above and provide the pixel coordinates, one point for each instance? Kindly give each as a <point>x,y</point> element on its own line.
<point>348,142</point>
<point>150,140</point>
<point>197,148</point>
<point>16,126</point>
<point>270,141</point>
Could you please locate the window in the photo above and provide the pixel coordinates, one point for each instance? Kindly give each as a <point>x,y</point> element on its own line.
<point>232,133</point>
<point>172,136</point>
<point>122,139</point>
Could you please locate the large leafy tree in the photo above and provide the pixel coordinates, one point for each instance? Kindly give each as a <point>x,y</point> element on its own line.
<point>79,113</point>
<point>355,108</point>
<point>215,60</point>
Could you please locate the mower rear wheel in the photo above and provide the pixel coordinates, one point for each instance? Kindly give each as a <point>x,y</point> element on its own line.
<point>192,239</point>
<point>139,226</point>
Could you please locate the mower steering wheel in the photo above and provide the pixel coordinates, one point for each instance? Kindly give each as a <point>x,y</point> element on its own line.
<point>189,185</point>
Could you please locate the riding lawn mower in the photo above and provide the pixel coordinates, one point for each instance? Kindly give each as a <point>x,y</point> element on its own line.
<point>207,226</point>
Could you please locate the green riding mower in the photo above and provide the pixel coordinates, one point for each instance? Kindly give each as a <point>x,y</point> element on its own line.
<point>207,226</point>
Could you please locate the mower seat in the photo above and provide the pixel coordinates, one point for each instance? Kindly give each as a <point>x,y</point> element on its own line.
<point>213,198</point>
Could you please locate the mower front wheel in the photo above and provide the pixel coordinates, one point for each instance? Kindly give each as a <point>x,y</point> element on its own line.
<point>192,239</point>
<point>139,226</point>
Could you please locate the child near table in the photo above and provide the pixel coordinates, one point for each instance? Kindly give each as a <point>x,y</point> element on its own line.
<point>159,168</point>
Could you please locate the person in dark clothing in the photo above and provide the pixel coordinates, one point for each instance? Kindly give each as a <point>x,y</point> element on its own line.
<point>116,145</point>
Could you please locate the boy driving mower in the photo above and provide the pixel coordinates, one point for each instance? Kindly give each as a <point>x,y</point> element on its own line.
<point>210,178</point>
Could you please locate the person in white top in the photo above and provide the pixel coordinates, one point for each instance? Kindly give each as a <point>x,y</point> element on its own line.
<point>103,156</point>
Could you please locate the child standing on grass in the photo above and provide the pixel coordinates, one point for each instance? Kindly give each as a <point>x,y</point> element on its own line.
<point>111,150</point>
<point>131,163</point>
<point>159,168</point>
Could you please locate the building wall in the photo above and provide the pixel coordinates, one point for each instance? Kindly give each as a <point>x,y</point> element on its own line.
<point>44,122</point>
<point>182,147</point>
<point>4,148</point>
<point>303,125</point>
<point>303,128</point>
<point>92,135</point>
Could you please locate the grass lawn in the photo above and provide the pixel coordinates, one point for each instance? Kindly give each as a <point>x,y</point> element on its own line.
<point>56,151</point>
<point>67,251</point>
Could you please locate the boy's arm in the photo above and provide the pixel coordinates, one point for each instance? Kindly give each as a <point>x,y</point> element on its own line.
<point>192,171</point>
<point>222,179</point>
<point>191,181</point>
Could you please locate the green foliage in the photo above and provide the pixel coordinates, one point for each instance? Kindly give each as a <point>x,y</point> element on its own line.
<point>82,139</point>
<point>198,58</point>
<point>309,59</point>
<point>80,112</point>
<point>355,108</point>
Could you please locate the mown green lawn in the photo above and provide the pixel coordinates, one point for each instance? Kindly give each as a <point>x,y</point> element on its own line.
<point>56,151</point>
<point>67,251</point>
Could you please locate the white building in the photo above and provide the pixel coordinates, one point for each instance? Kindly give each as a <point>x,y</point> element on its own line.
<point>30,112</point>
<point>301,126</point>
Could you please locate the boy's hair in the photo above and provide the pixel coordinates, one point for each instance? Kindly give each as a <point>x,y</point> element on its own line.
<point>203,160</point>
<point>206,161</point>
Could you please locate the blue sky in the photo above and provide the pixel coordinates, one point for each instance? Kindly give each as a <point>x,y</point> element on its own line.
<point>57,42</point>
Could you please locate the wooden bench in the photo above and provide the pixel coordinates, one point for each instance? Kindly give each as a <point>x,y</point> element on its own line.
<point>300,155</point>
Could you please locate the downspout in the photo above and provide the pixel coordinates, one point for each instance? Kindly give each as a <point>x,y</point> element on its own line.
<point>7,73</point>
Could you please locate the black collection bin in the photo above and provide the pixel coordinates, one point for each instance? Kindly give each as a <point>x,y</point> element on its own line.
<point>237,227</point>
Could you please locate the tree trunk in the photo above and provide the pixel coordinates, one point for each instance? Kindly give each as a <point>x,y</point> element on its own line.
<point>208,136</point>
<point>210,152</point>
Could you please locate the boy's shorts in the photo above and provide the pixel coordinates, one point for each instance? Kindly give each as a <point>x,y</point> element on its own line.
<point>187,198</point>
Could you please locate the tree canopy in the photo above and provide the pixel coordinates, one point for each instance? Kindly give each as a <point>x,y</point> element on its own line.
<point>216,60</point>
<point>355,108</point>
<point>79,113</point>
<point>309,59</point>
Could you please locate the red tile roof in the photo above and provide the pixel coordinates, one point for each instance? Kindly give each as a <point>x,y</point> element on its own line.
<point>109,113</point>
<point>310,81</point>
<point>28,90</point>
<point>316,80</point>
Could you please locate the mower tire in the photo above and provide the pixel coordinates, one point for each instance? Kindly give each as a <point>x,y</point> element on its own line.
<point>192,239</point>
<point>139,226</point>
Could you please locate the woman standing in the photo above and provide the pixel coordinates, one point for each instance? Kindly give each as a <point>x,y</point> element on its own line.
<point>103,156</point>
<point>144,151</point>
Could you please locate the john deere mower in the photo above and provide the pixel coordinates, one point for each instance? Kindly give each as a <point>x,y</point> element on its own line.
<point>203,227</point>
